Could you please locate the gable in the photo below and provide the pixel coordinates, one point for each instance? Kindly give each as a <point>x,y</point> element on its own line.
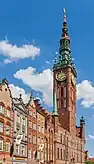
<point>32,103</point>
<point>5,95</point>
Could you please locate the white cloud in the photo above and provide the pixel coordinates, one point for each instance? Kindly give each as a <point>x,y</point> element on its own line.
<point>43,82</point>
<point>86,138</point>
<point>16,91</point>
<point>91,137</point>
<point>85,93</point>
<point>38,81</point>
<point>90,156</point>
<point>13,52</point>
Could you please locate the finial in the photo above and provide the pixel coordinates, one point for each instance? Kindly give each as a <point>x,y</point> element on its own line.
<point>31,95</point>
<point>20,96</point>
<point>82,120</point>
<point>64,10</point>
<point>55,59</point>
<point>5,81</point>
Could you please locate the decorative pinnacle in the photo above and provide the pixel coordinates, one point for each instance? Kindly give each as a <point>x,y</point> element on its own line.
<point>64,10</point>
<point>20,96</point>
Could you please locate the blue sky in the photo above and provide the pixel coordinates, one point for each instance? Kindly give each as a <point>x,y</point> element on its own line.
<point>38,23</point>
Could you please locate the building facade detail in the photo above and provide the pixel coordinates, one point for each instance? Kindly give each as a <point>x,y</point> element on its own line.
<point>45,137</point>
<point>32,130</point>
<point>20,111</point>
<point>6,122</point>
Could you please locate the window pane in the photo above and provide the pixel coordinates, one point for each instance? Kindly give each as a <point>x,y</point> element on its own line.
<point>57,153</point>
<point>64,103</point>
<point>38,155</point>
<point>7,147</point>
<point>64,92</point>
<point>17,149</point>
<point>8,113</point>
<point>30,153</point>
<point>1,145</point>
<point>1,127</point>
<point>1,109</point>
<point>7,130</point>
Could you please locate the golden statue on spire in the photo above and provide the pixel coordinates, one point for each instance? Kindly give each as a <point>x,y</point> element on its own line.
<point>64,10</point>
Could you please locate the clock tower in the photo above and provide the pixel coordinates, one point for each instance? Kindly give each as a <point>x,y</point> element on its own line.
<point>64,82</point>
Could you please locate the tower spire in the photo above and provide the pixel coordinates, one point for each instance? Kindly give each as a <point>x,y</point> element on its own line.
<point>54,105</point>
<point>65,57</point>
<point>65,27</point>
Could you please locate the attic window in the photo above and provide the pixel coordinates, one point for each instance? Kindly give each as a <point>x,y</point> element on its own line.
<point>5,89</point>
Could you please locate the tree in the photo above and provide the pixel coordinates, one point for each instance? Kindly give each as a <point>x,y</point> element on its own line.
<point>89,162</point>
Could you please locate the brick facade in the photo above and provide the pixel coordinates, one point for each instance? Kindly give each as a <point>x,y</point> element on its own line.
<point>32,131</point>
<point>6,122</point>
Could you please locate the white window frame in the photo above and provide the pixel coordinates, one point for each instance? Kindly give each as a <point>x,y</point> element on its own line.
<point>8,148</point>
<point>8,113</point>
<point>8,132</point>
<point>30,113</point>
<point>30,153</point>
<point>34,126</point>
<point>1,127</point>
<point>23,149</point>
<point>1,109</point>
<point>17,149</point>
<point>38,155</point>
<point>34,139</point>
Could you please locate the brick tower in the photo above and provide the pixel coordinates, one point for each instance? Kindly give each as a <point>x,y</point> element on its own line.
<point>64,82</point>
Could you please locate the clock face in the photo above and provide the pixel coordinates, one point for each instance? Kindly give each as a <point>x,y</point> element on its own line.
<point>73,79</point>
<point>60,76</point>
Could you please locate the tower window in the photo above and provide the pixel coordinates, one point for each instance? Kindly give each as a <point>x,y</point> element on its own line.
<point>57,92</point>
<point>61,138</point>
<point>57,153</point>
<point>66,43</point>
<point>61,103</point>
<point>61,154</point>
<point>64,103</point>
<point>64,92</point>
<point>72,94</point>
<point>61,91</point>
<point>58,103</point>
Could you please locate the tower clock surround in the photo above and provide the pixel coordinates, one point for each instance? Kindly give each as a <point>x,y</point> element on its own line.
<point>60,76</point>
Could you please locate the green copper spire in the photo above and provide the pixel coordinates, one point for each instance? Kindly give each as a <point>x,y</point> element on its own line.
<point>54,105</point>
<point>65,53</point>
<point>65,57</point>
